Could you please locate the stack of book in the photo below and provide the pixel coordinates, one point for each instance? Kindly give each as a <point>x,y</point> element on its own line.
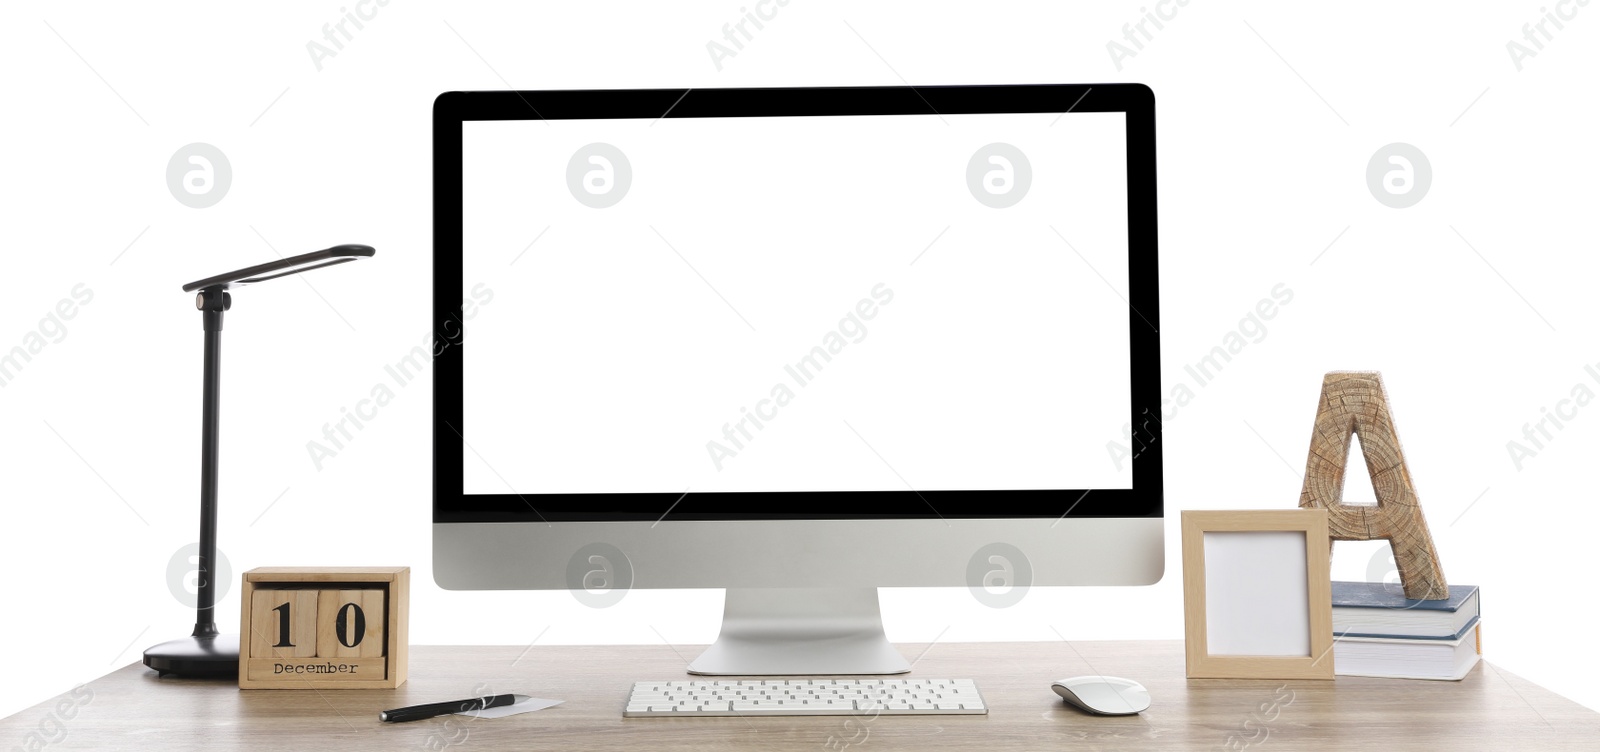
<point>1377,631</point>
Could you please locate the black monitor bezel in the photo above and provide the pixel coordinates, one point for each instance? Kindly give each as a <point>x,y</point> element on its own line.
<point>1136,101</point>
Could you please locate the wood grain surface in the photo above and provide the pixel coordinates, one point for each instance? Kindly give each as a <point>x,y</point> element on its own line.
<point>132,709</point>
<point>1354,403</point>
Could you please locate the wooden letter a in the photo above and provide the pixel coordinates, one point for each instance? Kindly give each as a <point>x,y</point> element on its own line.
<point>1354,402</point>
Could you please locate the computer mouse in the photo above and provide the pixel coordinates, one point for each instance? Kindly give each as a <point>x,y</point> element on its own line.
<point>1104,695</point>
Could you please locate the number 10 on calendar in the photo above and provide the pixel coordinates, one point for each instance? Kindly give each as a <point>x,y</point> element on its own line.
<point>324,628</point>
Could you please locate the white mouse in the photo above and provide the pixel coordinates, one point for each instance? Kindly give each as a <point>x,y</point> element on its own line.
<point>1104,695</point>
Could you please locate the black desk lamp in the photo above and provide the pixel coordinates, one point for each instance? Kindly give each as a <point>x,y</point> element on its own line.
<point>207,653</point>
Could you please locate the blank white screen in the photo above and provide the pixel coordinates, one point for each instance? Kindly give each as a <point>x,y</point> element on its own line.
<point>624,345</point>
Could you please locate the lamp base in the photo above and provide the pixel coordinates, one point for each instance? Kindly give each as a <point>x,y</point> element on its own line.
<point>209,657</point>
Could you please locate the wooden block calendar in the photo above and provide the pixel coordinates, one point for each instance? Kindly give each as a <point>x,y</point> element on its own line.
<point>324,628</point>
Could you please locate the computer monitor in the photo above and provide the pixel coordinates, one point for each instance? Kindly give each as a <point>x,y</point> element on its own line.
<point>799,343</point>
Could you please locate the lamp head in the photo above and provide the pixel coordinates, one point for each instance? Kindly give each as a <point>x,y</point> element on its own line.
<point>338,254</point>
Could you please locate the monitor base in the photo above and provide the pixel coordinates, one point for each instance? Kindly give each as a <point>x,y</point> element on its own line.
<point>800,632</point>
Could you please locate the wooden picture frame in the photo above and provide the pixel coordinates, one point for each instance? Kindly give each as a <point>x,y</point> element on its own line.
<point>1245,629</point>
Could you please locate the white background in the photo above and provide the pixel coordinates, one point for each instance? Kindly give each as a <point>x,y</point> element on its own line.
<point>1262,167</point>
<point>621,340</point>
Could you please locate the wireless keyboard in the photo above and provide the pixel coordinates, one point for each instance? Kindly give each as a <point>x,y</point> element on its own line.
<point>805,697</point>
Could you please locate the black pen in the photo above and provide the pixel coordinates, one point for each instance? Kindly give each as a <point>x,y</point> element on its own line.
<point>419,712</point>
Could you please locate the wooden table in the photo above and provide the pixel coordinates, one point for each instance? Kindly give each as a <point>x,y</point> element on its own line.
<point>1491,709</point>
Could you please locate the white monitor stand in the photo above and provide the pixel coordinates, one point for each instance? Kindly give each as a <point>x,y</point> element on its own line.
<point>800,632</point>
